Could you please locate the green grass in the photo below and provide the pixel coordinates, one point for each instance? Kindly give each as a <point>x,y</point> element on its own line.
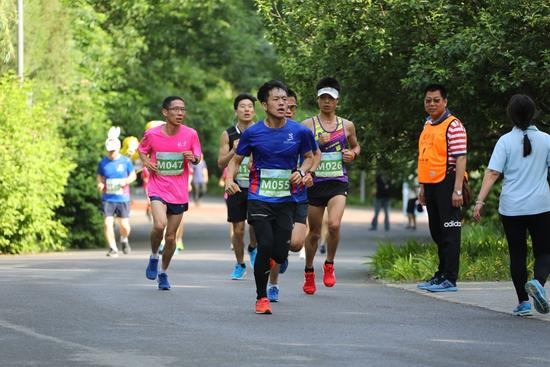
<point>484,257</point>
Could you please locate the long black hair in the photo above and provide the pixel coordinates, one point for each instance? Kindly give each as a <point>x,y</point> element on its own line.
<point>521,110</point>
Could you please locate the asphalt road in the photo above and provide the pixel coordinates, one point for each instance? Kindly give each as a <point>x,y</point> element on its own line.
<point>84,309</point>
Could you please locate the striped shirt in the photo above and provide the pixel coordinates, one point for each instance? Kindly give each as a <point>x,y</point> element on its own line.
<point>456,138</point>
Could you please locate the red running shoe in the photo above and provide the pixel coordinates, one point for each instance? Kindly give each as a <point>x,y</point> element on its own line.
<point>309,284</point>
<point>271,263</point>
<point>263,306</point>
<point>328,278</point>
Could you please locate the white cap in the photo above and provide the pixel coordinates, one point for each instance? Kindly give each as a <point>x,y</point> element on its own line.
<point>330,91</point>
<point>112,144</point>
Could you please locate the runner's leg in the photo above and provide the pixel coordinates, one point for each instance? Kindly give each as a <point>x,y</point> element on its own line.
<point>159,224</point>
<point>109,232</point>
<point>315,220</point>
<point>335,208</point>
<point>173,222</point>
<point>237,239</point>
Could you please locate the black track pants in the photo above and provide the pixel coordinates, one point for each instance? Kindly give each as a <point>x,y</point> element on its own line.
<point>445,225</point>
<point>516,234</point>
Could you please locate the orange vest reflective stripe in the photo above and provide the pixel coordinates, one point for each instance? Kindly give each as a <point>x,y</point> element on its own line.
<point>432,152</point>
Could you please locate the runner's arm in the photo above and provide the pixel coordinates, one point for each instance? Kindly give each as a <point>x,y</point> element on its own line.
<point>100,183</point>
<point>232,168</point>
<point>131,177</point>
<point>147,162</point>
<point>297,176</point>
<point>225,154</point>
<point>354,149</point>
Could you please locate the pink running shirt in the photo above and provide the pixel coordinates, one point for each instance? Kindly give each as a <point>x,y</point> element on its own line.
<point>171,182</point>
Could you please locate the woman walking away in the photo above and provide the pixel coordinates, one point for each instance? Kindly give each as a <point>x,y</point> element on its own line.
<point>522,156</point>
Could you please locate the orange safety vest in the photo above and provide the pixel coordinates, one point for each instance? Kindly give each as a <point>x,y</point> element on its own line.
<point>432,152</point>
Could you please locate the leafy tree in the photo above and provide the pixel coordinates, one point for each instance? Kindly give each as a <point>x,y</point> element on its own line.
<point>31,187</point>
<point>385,52</point>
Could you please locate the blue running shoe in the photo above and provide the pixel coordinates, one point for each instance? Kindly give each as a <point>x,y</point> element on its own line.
<point>252,255</point>
<point>238,272</point>
<point>536,290</point>
<point>273,293</point>
<point>523,309</point>
<point>163,282</point>
<point>152,268</point>
<point>428,283</point>
<point>283,267</point>
<point>445,286</point>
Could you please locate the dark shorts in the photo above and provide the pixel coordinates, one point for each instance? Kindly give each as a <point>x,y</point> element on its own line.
<point>237,206</point>
<point>282,213</point>
<point>300,214</point>
<point>112,208</point>
<point>411,205</point>
<point>321,192</point>
<point>171,209</point>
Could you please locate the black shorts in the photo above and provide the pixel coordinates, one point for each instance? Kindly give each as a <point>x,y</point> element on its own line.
<point>282,213</point>
<point>411,205</point>
<point>300,214</point>
<point>321,192</point>
<point>112,208</point>
<point>171,209</point>
<point>237,206</point>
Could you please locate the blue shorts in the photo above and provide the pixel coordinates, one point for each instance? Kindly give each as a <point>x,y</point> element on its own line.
<point>300,214</point>
<point>112,208</point>
<point>171,209</point>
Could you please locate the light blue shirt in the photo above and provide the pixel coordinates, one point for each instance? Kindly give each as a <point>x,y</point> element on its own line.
<point>525,188</point>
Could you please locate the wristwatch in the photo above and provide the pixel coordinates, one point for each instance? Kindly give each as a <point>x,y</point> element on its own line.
<point>302,173</point>
<point>458,192</point>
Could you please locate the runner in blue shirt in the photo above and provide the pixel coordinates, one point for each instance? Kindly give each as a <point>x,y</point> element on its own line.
<point>276,144</point>
<point>115,172</point>
<point>298,237</point>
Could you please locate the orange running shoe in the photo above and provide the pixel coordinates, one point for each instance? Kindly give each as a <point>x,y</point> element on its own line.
<point>309,284</point>
<point>328,278</point>
<point>263,306</point>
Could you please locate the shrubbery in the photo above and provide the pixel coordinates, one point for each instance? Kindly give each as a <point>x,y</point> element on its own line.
<point>484,256</point>
<point>33,173</point>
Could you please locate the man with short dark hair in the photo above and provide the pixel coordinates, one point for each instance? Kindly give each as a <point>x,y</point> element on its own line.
<point>166,151</point>
<point>441,171</point>
<point>244,105</point>
<point>276,143</point>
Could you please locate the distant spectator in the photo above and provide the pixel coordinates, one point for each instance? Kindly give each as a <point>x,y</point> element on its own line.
<point>382,200</point>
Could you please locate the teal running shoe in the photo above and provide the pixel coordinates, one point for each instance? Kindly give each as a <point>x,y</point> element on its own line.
<point>445,286</point>
<point>537,291</point>
<point>523,309</point>
<point>164,285</point>
<point>152,268</point>
<point>428,283</point>
<point>239,272</point>
<point>273,293</point>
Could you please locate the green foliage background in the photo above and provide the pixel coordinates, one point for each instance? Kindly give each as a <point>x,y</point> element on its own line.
<point>385,52</point>
<point>98,63</point>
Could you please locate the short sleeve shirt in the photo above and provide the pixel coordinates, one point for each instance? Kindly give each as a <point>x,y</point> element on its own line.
<point>276,152</point>
<point>525,188</point>
<point>115,172</point>
<point>171,182</point>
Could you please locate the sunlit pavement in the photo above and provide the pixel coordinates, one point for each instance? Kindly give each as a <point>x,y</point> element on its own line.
<point>81,308</point>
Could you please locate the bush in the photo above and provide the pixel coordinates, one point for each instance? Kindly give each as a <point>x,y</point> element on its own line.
<point>33,173</point>
<point>484,256</point>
